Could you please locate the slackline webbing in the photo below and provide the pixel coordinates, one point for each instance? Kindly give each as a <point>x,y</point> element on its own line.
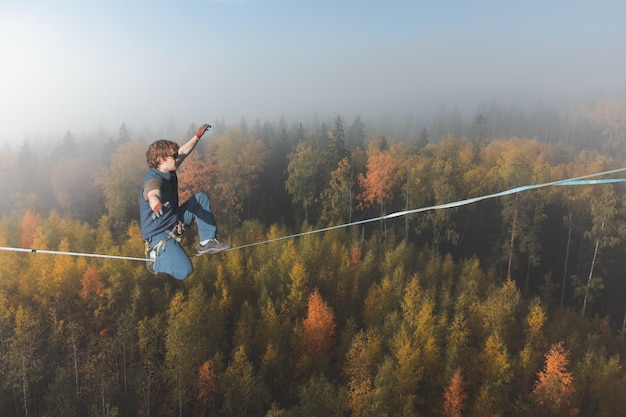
<point>571,181</point>
<point>581,180</point>
<point>55,252</point>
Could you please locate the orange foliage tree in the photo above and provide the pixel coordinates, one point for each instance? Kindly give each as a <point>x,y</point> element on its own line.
<point>318,328</point>
<point>30,223</point>
<point>240,160</point>
<point>207,386</point>
<point>554,390</point>
<point>377,183</point>
<point>195,175</point>
<point>455,396</point>
<point>91,283</point>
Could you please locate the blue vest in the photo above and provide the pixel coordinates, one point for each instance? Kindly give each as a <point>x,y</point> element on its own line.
<point>169,193</point>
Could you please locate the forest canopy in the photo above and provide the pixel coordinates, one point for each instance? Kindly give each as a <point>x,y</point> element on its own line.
<point>509,306</point>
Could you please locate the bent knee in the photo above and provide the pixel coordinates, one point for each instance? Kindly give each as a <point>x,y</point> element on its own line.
<point>202,197</point>
<point>182,272</point>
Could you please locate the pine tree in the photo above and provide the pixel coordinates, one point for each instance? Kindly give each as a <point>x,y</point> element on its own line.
<point>356,133</point>
<point>303,182</point>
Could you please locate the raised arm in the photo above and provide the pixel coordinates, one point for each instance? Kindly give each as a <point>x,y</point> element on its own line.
<point>185,149</point>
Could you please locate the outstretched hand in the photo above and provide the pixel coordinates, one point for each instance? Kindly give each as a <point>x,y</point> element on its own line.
<point>157,210</point>
<point>203,129</point>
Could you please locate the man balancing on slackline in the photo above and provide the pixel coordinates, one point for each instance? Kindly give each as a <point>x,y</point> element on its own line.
<point>163,220</point>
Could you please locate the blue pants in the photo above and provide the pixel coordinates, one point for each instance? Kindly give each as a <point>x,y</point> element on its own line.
<point>171,257</point>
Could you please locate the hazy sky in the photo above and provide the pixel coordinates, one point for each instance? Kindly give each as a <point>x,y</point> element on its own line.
<point>79,65</point>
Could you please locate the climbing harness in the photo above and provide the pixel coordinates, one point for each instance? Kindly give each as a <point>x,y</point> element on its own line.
<point>173,233</point>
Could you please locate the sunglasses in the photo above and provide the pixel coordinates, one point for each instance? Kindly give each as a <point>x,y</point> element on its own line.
<point>174,156</point>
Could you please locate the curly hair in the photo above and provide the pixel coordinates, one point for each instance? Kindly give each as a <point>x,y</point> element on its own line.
<point>159,151</point>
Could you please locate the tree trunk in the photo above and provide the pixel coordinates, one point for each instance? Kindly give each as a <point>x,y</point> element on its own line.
<point>104,409</point>
<point>381,219</point>
<point>350,196</point>
<point>24,387</point>
<point>406,217</point>
<point>180,398</point>
<point>593,262</point>
<point>75,363</point>
<point>526,284</point>
<point>513,230</point>
<point>148,393</point>
<point>124,367</point>
<point>437,227</point>
<point>569,238</point>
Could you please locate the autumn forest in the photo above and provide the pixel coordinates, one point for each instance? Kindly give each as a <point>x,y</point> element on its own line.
<point>509,306</point>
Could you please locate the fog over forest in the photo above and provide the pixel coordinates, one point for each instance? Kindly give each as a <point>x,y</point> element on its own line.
<point>81,67</point>
<point>548,121</point>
